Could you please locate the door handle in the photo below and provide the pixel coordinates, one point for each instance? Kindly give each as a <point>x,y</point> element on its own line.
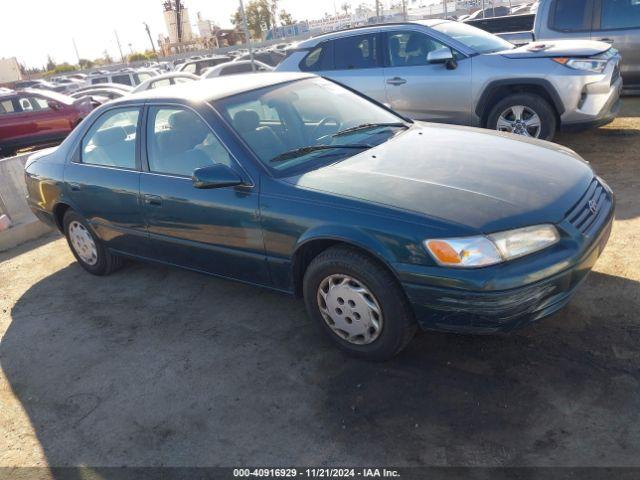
<point>607,40</point>
<point>153,200</point>
<point>396,81</point>
<point>74,187</point>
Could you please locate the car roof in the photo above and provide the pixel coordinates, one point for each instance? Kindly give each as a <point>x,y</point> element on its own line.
<point>218,87</point>
<point>311,42</point>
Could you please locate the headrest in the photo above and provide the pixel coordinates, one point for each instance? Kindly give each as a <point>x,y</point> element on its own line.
<point>181,120</point>
<point>109,136</point>
<point>416,42</point>
<point>246,120</point>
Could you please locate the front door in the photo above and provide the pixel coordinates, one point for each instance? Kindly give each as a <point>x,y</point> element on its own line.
<point>212,230</point>
<point>103,182</point>
<point>619,24</point>
<point>424,91</point>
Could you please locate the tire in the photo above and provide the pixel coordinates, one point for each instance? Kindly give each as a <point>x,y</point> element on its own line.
<point>103,262</point>
<point>531,103</point>
<point>396,321</point>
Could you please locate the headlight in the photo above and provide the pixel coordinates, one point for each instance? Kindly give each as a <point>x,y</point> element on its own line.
<point>589,65</point>
<point>482,251</point>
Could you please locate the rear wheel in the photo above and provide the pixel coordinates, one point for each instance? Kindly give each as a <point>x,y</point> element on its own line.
<point>89,251</point>
<point>524,114</point>
<point>358,304</point>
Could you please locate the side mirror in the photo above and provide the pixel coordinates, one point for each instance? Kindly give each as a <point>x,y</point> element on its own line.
<point>53,105</point>
<point>442,55</point>
<point>215,176</point>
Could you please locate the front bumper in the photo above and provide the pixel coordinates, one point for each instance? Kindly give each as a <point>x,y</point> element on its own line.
<point>493,311</point>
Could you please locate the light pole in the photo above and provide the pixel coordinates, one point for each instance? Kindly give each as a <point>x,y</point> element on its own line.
<point>153,46</point>
<point>119,46</point>
<point>75,47</point>
<point>246,35</point>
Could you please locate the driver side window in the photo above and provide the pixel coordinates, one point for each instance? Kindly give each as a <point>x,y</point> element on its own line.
<point>407,49</point>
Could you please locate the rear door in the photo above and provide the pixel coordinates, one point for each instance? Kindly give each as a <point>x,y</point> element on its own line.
<point>618,22</point>
<point>103,180</point>
<point>354,60</point>
<point>421,90</point>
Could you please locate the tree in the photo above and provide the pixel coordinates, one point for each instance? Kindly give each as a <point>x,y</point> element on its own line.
<point>346,7</point>
<point>137,57</point>
<point>286,18</point>
<point>50,63</point>
<point>260,16</point>
<point>85,63</point>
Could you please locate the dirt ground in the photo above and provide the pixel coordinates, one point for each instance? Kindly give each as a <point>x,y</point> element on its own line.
<point>157,366</point>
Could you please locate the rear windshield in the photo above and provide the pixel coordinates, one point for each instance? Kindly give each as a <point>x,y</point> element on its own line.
<point>472,37</point>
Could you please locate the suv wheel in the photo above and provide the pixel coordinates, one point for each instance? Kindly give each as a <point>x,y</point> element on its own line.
<point>524,114</point>
<point>90,253</point>
<point>358,304</point>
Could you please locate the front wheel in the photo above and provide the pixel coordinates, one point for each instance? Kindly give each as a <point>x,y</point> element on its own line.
<point>89,251</point>
<point>358,304</point>
<point>524,114</point>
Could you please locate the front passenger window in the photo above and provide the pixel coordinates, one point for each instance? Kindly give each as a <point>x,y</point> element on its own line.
<point>111,141</point>
<point>408,49</point>
<point>178,142</point>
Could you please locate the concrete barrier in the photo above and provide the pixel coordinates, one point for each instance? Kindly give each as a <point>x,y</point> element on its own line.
<point>13,191</point>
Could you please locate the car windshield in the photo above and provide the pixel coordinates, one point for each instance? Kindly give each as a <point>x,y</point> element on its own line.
<point>302,125</point>
<point>472,37</point>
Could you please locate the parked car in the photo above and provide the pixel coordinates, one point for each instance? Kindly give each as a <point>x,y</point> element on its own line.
<point>196,67</point>
<point>616,22</point>
<point>295,183</point>
<point>99,95</point>
<point>269,57</point>
<point>37,117</point>
<point>488,12</point>
<point>166,80</point>
<point>452,72</point>
<point>113,86</point>
<point>131,78</point>
<point>235,67</point>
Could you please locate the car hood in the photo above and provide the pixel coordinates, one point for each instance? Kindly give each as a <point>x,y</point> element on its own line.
<point>485,181</point>
<point>557,48</point>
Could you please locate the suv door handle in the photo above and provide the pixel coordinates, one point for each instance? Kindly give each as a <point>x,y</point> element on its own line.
<point>153,200</point>
<point>396,81</point>
<point>606,40</point>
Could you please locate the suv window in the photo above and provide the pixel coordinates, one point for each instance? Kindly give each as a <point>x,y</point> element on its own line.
<point>189,68</point>
<point>97,80</point>
<point>124,79</point>
<point>410,48</point>
<point>178,142</point>
<point>571,15</point>
<point>111,141</point>
<point>620,14</point>
<point>237,68</point>
<point>319,58</point>
<point>356,52</point>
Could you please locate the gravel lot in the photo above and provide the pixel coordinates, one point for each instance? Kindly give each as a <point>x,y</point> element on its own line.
<point>156,366</point>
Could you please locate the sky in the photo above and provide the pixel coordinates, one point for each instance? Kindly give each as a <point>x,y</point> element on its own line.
<point>34,29</point>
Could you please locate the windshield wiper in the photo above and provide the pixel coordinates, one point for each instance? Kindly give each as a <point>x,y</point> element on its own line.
<point>367,126</point>
<point>298,152</point>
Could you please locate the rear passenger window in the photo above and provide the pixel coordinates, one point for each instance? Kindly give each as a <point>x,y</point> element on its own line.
<point>356,52</point>
<point>178,142</point>
<point>6,106</point>
<point>111,141</point>
<point>617,14</point>
<point>95,81</point>
<point>123,79</point>
<point>320,58</point>
<point>572,15</point>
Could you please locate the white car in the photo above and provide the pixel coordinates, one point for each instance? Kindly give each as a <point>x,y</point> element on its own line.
<point>127,77</point>
<point>234,68</point>
<point>165,80</point>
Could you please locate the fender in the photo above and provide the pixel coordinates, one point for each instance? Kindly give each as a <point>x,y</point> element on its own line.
<point>492,87</point>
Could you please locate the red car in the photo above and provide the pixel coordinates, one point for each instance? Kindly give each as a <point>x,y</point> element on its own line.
<point>37,117</point>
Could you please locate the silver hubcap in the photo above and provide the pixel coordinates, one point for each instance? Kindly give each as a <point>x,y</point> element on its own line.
<point>350,309</point>
<point>83,244</point>
<point>520,120</point>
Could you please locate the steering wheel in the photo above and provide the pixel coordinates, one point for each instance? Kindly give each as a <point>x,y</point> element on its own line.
<point>322,123</point>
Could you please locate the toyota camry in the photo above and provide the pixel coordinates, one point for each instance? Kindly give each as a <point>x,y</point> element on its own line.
<point>295,183</point>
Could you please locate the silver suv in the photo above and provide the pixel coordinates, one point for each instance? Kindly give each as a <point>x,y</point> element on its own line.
<point>450,72</point>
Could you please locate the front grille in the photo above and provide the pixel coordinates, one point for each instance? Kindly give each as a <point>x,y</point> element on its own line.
<point>592,209</point>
